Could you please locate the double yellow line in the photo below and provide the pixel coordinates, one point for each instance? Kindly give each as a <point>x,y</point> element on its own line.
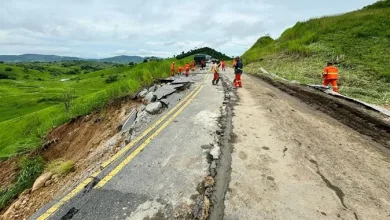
<point>181,106</point>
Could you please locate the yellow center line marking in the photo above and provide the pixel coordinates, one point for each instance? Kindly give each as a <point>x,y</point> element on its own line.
<point>88,180</point>
<point>144,144</point>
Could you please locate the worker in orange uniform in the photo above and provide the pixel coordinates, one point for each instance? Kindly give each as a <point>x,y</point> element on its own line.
<point>187,67</point>
<point>192,64</point>
<point>223,65</point>
<point>215,71</point>
<point>173,68</point>
<point>331,75</point>
<point>238,66</point>
<point>180,70</point>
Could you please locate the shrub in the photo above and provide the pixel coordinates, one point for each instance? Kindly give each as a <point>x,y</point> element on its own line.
<point>8,69</point>
<point>112,78</point>
<point>61,167</point>
<point>4,76</point>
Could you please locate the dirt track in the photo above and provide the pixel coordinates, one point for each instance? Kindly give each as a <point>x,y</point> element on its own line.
<point>291,161</point>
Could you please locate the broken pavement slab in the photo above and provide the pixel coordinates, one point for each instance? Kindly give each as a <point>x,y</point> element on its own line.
<point>129,121</point>
<point>182,81</point>
<point>166,90</point>
<point>165,102</point>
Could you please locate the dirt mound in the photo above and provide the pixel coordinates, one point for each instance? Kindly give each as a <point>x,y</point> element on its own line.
<point>83,141</point>
<point>354,115</point>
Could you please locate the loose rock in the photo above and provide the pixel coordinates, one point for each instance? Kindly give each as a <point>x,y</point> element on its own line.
<point>150,97</point>
<point>153,108</point>
<point>143,93</point>
<point>215,152</point>
<point>40,182</point>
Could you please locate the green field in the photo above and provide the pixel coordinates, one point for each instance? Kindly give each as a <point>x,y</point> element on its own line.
<point>359,42</point>
<point>34,100</point>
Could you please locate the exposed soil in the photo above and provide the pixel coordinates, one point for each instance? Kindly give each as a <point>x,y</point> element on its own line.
<point>84,141</point>
<point>8,171</point>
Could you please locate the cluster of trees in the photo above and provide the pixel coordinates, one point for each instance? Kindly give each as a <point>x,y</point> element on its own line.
<point>204,50</point>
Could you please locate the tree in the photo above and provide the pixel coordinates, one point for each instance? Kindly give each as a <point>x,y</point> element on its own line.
<point>145,60</point>
<point>8,69</point>
<point>131,64</point>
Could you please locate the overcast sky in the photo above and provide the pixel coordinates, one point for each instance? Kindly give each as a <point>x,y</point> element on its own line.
<point>102,28</point>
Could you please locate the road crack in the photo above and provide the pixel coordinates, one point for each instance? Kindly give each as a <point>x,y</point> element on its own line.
<point>340,194</point>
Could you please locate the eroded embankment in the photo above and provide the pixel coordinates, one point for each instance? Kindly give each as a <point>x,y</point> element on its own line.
<point>354,115</point>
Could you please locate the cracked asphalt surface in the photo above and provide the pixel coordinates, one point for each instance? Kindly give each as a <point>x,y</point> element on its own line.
<point>161,180</point>
<point>289,161</point>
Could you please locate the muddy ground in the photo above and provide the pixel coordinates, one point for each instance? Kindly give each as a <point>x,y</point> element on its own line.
<point>292,161</point>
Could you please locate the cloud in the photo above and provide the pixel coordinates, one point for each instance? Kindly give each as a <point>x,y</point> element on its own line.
<point>99,28</point>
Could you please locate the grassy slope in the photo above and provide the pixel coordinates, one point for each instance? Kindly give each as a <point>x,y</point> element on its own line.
<point>23,97</point>
<point>359,41</point>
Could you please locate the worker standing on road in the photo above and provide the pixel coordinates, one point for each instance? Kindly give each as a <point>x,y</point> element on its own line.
<point>223,65</point>
<point>331,75</point>
<point>180,70</point>
<point>173,68</point>
<point>238,71</point>
<point>192,64</point>
<point>215,71</point>
<point>203,64</point>
<point>187,67</point>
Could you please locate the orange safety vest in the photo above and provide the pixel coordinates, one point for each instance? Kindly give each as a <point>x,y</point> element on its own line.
<point>187,67</point>
<point>173,67</point>
<point>180,69</point>
<point>331,72</point>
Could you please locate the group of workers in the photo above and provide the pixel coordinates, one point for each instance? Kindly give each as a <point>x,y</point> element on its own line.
<point>330,74</point>
<point>237,65</point>
<point>187,67</point>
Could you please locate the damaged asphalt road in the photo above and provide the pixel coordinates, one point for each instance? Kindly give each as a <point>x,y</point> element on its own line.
<point>251,153</point>
<point>161,180</point>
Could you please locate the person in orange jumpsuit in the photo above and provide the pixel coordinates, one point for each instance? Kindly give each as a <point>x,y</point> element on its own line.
<point>192,65</point>
<point>173,68</point>
<point>187,67</point>
<point>215,71</point>
<point>238,66</point>
<point>331,75</point>
<point>180,70</point>
<point>223,65</point>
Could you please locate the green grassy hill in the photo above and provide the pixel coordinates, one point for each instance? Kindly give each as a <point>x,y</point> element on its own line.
<point>358,41</point>
<point>34,95</point>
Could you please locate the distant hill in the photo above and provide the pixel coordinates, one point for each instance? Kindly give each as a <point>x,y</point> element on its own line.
<point>358,42</point>
<point>35,57</point>
<point>204,50</point>
<point>123,59</point>
<point>52,58</point>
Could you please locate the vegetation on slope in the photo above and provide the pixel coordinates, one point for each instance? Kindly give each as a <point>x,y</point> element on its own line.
<point>357,41</point>
<point>62,101</point>
<point>204,50</point>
